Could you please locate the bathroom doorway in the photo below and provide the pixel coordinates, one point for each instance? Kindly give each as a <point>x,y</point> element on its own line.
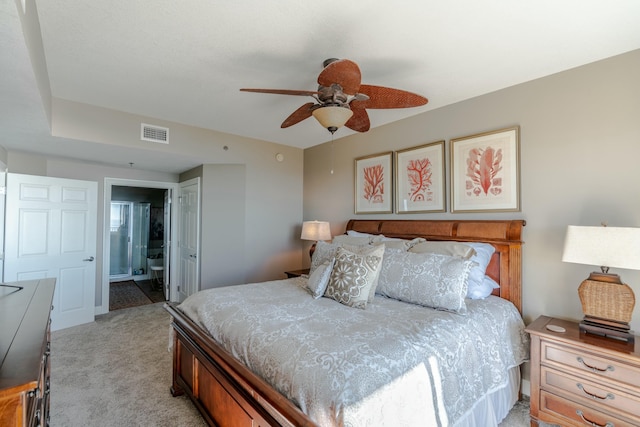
<point>161,233</point>
<point>136,233</point>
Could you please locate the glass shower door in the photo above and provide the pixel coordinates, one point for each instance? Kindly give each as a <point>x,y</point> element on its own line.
<point>140,237</point>
<point>120,258</point>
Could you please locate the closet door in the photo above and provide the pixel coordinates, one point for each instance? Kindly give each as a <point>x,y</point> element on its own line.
<point>51,233</point>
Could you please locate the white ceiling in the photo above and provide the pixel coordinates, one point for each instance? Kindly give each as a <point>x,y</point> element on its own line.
<point>186,61</point>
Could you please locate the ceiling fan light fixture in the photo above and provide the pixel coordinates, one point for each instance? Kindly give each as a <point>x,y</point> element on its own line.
<point>332,117</point>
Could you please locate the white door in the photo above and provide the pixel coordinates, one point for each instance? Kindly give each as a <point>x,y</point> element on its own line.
<point>166,245</point>
<point>188,239</point>
<point>51,232</point>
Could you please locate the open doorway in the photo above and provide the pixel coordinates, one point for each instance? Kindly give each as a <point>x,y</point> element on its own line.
<point>136,256</point>
<point>137,242</point>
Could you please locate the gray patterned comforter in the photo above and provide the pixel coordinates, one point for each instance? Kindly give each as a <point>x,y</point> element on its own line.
<point>392,364</point>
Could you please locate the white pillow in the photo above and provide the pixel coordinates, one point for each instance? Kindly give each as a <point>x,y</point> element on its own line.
<point>431,280</point>
<point>319,280</point>
<point>354,276</point>
<point>484,252</point>
<point>482,291</point>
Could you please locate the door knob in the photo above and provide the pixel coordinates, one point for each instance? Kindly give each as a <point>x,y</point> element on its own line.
<point>89,259</point>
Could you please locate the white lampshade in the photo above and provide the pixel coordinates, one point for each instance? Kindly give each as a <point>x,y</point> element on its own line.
<point>332,117</point>
<point>617,247</point>
<point>315,230</point>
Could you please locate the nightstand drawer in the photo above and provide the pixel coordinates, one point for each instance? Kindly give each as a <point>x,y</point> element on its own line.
<point>577,413</point>
<point>590,363</point>
<point>597,395</point>
<point>579,379</point>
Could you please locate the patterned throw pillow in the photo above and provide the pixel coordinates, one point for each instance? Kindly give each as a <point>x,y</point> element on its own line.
<point>354,275</point>
<point>432,280</point>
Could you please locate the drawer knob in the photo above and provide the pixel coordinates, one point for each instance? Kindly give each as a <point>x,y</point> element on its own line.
<point>591,423</point>
<point>593,395</point>
<point>594,368</point>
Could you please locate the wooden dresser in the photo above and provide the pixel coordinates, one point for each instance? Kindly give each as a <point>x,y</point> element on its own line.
<point>582,379</point>
<point>24,353</point>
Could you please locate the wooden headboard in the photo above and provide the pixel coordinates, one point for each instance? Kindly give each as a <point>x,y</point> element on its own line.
<point>505,235</point>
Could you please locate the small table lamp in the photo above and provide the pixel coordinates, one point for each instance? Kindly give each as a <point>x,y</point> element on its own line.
<point>607,303</point>
<point>315,230</point>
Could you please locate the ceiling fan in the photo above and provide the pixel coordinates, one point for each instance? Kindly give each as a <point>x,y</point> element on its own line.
<point>341,99</point>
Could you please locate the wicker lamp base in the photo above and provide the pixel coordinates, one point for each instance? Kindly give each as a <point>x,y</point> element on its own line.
<point>607,304</point>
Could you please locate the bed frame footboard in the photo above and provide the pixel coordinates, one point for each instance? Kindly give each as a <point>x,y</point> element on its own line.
<point>225,392</point>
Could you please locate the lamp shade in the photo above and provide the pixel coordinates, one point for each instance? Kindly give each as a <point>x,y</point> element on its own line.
<point>332,117</point>
<point>617,247</point>
<point>315,230</point>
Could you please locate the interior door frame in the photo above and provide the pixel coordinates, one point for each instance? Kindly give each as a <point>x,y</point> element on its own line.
<point>106,241</point>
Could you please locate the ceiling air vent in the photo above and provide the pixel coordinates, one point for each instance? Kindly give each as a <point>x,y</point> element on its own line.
<point>154,134</point>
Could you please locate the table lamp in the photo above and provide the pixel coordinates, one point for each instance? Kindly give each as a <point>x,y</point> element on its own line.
<point>315,230</point>
<point>607,303</point>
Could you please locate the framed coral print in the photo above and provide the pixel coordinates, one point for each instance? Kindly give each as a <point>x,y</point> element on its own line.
<point>485,172</point>
<point>373,184</point>
<point>420,179</point>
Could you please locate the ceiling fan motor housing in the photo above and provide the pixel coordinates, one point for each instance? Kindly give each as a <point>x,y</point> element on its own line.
<point>332,95</point>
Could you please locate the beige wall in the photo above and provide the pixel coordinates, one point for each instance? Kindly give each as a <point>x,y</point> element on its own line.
<point>580,151</point>
<point>267,230</point>
<point>222,228</point>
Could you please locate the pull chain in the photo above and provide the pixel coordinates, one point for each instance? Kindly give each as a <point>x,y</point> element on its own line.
<point>331,154</point>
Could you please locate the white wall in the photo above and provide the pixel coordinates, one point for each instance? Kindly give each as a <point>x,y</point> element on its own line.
<point>580,152</point>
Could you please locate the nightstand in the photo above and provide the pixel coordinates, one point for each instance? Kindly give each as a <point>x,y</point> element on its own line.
<point>580,379</point>
<point>296,273</point>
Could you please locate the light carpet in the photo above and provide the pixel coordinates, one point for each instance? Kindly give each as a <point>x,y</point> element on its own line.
<point>116,372</point>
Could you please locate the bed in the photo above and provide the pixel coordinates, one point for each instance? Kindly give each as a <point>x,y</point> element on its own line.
<point>231,384</point>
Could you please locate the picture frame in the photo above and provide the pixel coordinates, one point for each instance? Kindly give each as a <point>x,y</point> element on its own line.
<point>485,172</point>
<point>373,179</point>
<point>420,179</point>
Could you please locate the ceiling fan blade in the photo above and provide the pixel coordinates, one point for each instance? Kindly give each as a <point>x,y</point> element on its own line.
<point>360,119</point>
<point>343,72</point>
<point>304,112</point>
<point>283,91</point>
<point>386,97</point>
